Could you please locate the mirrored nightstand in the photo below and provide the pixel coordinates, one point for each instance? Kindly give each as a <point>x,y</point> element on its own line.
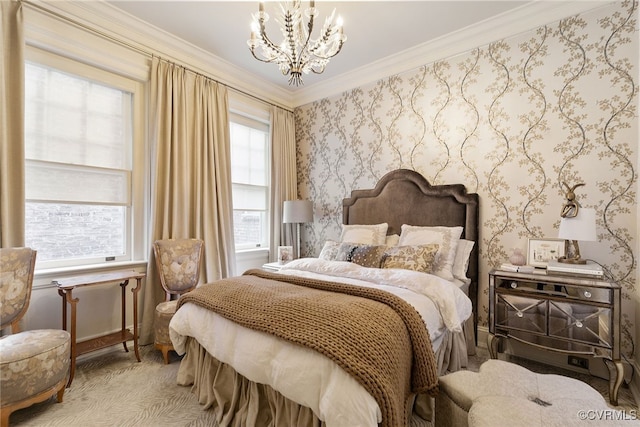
<point>564,313</point>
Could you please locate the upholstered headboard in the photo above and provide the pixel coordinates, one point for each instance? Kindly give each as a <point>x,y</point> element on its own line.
<point>404,196</point>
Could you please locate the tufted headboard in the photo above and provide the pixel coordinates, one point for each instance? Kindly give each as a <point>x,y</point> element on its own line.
<point>404,196</point>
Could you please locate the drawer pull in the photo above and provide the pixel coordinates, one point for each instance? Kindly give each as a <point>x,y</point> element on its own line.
<point>578,324</point>
<point>514,285</point>
<point>519,314</point>
<point>587,294</point>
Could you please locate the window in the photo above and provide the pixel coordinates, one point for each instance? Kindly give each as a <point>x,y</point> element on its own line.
<point>80,187</point>
<point>250,180</point>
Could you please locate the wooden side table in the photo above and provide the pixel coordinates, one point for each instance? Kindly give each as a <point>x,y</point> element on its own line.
<point>65,289</point>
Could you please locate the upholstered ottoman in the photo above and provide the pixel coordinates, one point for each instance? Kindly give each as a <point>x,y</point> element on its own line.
<point>504,393</point>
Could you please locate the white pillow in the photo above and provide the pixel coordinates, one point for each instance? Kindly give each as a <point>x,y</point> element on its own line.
<point>461,261</point>
<point>364,234</point>
<point>446,237</point>
<point>392,240</point>
<point>329,250</point>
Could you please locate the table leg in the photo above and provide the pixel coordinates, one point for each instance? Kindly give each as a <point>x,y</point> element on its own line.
<point>135,317</point>
<point>492,345</point>
<point>64,309</point>
<point>614,383</point>
<point>123,286</point>
<point>67,294</point>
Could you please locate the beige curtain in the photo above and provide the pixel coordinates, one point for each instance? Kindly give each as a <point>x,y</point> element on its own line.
<point>191,175</point>
<point>11,125</point>
<point>284,177</point>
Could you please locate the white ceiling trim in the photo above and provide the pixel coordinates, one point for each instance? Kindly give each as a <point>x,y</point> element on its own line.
<point>524,18</point>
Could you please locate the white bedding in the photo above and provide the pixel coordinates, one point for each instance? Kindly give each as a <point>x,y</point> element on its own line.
<point>336,397</point>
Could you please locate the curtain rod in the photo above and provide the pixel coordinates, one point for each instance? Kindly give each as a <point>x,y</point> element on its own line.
<point>139,49</point>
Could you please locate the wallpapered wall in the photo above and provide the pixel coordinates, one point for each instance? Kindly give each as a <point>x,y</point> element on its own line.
<point>512,121</point>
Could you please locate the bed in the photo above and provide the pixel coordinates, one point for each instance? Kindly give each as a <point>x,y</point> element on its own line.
<point>295,360</point>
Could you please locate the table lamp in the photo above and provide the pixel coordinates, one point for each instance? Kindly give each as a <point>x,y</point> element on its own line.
<point>582,226</point>
<point>297,212</point>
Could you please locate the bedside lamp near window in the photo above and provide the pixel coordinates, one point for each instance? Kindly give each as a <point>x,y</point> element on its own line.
<point>297,212</point>
<point>582,226</point>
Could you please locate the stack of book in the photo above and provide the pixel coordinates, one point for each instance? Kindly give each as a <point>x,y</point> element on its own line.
<point>590,269</point>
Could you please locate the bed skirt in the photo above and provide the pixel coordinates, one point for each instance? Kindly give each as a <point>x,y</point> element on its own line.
<point>239,402</point>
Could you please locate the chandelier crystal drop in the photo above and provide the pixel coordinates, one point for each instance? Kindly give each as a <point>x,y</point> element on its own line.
<point>297,53</point>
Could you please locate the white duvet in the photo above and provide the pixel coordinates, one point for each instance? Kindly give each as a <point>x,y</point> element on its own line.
<point>303,375</point>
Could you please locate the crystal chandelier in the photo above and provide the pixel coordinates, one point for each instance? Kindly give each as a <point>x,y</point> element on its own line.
<point>297,53</point>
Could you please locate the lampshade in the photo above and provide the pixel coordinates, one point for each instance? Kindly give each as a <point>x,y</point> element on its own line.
<point>581,227</point>
<point>297,211</point>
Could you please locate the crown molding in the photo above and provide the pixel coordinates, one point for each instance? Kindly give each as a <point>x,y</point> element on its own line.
<point>109,22</point>
<point>508,24</point>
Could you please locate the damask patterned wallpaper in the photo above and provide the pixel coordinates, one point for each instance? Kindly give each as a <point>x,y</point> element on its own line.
<point>511,121</point>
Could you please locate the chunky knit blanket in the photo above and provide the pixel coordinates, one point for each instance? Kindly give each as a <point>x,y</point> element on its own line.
<point>375,336</point>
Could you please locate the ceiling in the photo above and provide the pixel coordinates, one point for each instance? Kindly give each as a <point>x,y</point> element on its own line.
<point>375,30</point>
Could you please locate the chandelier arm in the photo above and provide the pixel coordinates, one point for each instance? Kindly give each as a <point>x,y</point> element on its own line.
<point>268,43</point>
<point>309,30</point>
<point>328,56</point>
<point>314,49</point>
<point>267,61</point>
<point>291,37</point>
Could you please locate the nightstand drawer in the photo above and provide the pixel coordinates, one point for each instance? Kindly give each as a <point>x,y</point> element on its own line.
<point>570,292</point>
<point>591,294</point>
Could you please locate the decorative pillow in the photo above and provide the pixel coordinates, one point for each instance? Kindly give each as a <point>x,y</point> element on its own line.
<point>345,251</point>
<point>461,261</point>
<point>446,237</point>
<point>418,258</point>
<point>368,255</point>
<point>392,240</point>
<point>329,250</point>
<point>364,234</point>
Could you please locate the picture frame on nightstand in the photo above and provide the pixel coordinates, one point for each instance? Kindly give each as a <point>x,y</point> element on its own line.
<point>285,254</point>
<point>541,251</point>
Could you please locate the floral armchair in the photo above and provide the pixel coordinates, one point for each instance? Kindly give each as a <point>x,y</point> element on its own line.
<point>178,263</point>
<point>34,365</point>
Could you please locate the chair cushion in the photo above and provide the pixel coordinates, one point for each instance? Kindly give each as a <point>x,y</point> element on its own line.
<point>167,308</point>
<point>164,313</point>
<point>31,362</point>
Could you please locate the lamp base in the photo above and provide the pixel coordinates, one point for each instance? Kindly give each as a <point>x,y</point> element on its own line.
<point>572,253</point>
<point>570,260</point>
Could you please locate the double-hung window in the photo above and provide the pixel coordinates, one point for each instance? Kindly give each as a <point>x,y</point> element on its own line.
<point>250,181</point>
<point>83,181</point>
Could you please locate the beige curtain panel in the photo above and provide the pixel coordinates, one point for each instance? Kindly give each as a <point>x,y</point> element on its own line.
<point>191,174</point>
<point>283,178</point>
<point>11,125</point>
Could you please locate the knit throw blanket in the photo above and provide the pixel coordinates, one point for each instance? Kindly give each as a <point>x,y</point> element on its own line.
<point>375,336</point>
